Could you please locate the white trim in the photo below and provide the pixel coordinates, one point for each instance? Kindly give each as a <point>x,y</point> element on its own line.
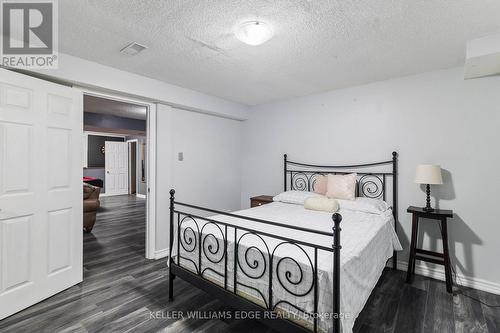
<point>143,196</point>
<point>466,281</point>
<point>151,180</point>
<point>136,165</point>
<point>85,150</point>
<point>151,162</point>
<point>161,254</point>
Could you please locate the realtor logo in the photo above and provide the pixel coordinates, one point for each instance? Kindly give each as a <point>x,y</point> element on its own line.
<point>29,34</point>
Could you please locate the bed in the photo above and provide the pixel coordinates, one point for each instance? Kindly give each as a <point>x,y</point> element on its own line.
<point>287,265</point>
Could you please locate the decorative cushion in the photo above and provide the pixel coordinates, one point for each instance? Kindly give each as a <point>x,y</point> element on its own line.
<point>322,204</point>
<point>341,186</point>
<point>320,185</point>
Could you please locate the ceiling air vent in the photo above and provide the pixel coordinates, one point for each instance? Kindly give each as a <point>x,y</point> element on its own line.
<point>133,48</point>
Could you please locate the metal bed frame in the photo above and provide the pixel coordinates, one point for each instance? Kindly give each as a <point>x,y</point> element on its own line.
<point>297,176</point>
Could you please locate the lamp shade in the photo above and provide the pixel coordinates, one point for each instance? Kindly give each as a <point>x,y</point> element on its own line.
<point>428,174</point>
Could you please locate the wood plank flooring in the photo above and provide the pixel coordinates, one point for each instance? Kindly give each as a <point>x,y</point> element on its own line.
<point>123,292</point>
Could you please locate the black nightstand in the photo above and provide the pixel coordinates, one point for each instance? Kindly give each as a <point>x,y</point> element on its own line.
<point>429,256</point>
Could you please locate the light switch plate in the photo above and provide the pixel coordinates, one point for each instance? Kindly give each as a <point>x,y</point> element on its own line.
<point>180,156</point>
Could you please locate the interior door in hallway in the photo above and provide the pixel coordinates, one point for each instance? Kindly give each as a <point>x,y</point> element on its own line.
<point>116,165</point>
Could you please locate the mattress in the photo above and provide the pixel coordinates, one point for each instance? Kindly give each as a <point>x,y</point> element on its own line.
<point>368,241</point>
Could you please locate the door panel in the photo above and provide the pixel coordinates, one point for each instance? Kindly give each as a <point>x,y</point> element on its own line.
<point>16,143</point>
<point>40,190</point>
<point>59,157</point>
<point>16,253</point>
<point>58,240</point>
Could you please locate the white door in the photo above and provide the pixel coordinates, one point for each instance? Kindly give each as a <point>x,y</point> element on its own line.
<point>116,165</point>
<point>40,190</point>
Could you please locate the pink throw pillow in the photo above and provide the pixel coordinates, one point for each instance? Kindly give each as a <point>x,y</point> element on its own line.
<point>341,186</point>
<point>320,184</point>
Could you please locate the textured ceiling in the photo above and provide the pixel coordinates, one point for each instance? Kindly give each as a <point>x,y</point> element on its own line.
<point>318,45</point>
<point>115,108</point>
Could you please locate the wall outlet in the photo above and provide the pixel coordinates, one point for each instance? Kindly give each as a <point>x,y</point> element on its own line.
<point>180,156</point>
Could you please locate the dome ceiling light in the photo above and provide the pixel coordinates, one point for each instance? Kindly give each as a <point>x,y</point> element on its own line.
<point>254,32</point>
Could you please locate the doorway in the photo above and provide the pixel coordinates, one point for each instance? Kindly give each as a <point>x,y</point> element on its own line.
<point>119,156</point>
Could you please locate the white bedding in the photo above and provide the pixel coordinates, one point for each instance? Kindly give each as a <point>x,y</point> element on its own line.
<point>367,240</point>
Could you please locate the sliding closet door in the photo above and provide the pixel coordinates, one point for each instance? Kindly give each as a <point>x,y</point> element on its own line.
<point>40,190</point>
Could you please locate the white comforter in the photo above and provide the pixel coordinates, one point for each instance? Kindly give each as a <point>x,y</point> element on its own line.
<point>368,241</point>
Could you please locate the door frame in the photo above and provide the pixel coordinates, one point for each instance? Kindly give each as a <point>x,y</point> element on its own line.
<point>136,167</point>
<point>151,163</point>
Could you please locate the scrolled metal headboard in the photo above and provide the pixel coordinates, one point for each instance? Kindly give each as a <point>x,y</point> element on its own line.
<point>372,179</point>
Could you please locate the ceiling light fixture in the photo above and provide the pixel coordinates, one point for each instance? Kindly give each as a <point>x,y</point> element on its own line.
<point>254,32</point>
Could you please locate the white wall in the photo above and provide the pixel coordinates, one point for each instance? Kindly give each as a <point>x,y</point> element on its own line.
<point>429,118</point>
<point>90,74</point>
<point>203,109</point>
<point>210,173</point>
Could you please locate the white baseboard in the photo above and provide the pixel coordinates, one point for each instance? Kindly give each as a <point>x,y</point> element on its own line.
<point>143,196</point>
<point>161,254</point>
<point>466,281</point>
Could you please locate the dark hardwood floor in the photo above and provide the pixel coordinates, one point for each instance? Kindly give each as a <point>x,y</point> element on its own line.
<point>123,292</point>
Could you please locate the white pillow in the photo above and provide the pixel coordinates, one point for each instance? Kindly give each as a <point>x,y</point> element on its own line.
<point>295,197</point>
<point>323,204</point>
<point>366,205</point>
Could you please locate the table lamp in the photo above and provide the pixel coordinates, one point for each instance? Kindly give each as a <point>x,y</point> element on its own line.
<point>429,175</point>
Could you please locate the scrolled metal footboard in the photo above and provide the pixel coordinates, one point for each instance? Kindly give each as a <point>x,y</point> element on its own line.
<point>252,269</point>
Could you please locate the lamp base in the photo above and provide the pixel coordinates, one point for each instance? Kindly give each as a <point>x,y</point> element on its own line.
<point>428,207</point>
